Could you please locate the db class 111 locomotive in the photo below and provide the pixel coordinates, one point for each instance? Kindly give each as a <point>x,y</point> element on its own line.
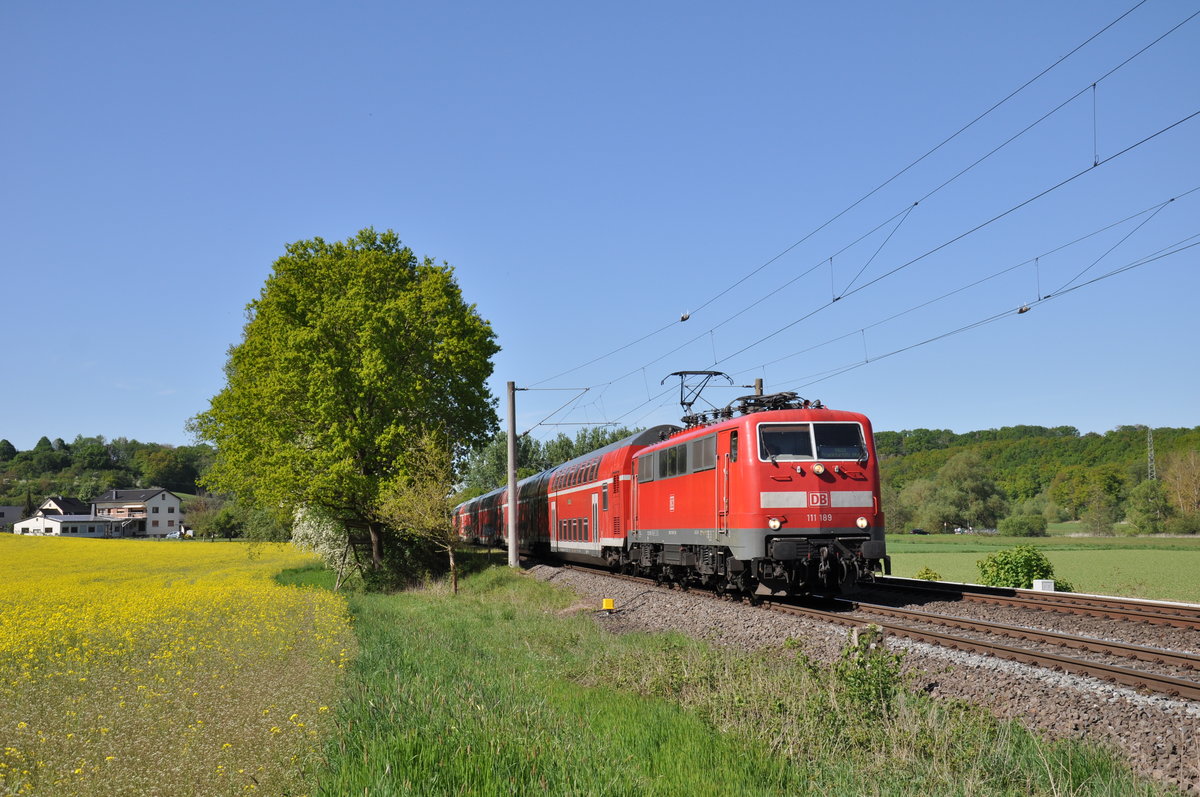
<point>775,496</point>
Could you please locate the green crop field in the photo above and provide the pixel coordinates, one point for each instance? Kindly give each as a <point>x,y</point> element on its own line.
<point>1163,568</point>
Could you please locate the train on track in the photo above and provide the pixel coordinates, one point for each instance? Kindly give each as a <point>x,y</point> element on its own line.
<point>770,496</point>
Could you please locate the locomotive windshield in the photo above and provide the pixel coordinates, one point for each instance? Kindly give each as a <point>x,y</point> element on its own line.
<point>792,441</point>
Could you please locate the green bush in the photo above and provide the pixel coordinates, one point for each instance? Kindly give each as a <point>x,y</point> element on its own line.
<point>870,672</point>
<point>925,574</point>
<point>1184,524</point>
<point>1015,567</point>
<point>1023,526</point>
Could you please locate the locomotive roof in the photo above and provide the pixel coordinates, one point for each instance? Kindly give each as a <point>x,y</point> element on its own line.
<point>809,414</point>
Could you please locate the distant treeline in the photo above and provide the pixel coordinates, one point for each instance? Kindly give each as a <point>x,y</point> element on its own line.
<point>1056,473</point>
<point>89,466</point>
<point>1024,476</point>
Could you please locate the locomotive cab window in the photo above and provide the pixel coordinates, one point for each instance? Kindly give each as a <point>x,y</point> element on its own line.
<point>799,441</point>
<point>840,441</point>
<point>785,441</point>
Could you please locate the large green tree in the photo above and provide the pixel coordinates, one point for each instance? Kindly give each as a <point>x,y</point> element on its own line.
<point>352,352</point>
<point>963,494</point>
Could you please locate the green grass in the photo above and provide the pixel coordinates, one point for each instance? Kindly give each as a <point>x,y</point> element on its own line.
<point>314,575</point>
<point>1141,567</point>
<point>509,689</point>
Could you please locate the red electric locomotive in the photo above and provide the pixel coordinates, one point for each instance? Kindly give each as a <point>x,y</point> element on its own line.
<point>776,497</point>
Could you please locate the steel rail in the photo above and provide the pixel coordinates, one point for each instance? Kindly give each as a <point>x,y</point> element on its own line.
<point>1149,612</point>
<point>1137,679</point>
<point>1188,661</point>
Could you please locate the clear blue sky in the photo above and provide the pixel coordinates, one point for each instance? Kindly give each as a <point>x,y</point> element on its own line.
<point>595,170</point>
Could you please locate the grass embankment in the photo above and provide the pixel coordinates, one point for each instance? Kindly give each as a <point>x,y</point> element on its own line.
<point>180,668</point>
<point>508,689</point>
<point>1136,567</point>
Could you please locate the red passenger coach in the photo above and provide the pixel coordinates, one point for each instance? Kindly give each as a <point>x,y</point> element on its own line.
<point>777,497</point>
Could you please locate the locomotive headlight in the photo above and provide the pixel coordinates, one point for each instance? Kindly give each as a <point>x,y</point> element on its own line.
<point>774,523</point>
<point>818,468</point>
<point>862,522</point>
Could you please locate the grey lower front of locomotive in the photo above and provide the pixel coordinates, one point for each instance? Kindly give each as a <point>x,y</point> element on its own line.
<point>765,562</point>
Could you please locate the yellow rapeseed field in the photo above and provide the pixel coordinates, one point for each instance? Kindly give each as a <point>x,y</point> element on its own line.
<point>164,668</point>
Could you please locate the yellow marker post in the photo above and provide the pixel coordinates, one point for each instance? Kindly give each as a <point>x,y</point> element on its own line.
<point>607,605</point>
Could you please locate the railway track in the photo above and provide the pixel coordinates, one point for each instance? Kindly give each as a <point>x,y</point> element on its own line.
<point>1176,615</point>
<point>1091,657</point>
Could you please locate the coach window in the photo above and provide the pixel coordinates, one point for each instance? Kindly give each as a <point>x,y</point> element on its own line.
<point>604,497</point>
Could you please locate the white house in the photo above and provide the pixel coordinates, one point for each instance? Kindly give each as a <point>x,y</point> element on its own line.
<point>66,526</point>
<point>140,513</point>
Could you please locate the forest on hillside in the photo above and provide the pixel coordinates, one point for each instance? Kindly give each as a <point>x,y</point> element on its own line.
<point>937,480</point>
<point>89,466</point>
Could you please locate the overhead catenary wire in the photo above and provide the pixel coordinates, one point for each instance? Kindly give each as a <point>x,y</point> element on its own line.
<point>903,171</point>
<point>959,237</point>
<point>1153,210</point>
<point>902,215</point>
<point>1174,249</point>
<point>857,202</point>
<point>830,373</point>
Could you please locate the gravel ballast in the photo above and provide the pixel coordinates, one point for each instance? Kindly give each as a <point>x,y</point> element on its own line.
<point>1159,736</point>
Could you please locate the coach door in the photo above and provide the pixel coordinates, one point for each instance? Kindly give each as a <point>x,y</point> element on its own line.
<point>555,531</point>
<point>596,520</point>
<point>727,456</point>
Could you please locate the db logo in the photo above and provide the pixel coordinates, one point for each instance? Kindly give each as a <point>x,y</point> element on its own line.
<point>818,499</point>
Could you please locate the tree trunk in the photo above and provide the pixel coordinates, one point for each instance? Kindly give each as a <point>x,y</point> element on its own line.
<point>376,547</point>
<point>453,570</point>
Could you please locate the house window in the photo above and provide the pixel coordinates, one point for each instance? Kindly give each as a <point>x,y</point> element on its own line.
<point>170,510</point>
<point>170,523</point>
<point>155,510</point>
<point>155,523</point>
